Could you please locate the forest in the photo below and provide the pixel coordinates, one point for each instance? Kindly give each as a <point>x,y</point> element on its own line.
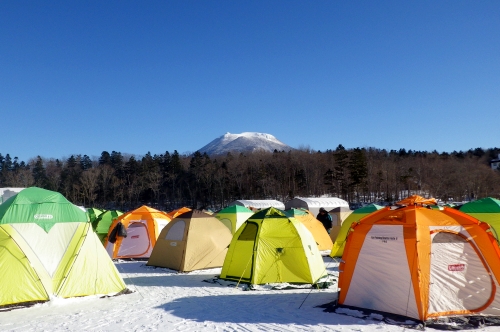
<point>170,180</point>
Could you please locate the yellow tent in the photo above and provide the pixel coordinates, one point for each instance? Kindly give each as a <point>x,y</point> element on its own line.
<point>234,216</point>
<point>48,248</point>
<point>339,243</point>
<point>271,247</point>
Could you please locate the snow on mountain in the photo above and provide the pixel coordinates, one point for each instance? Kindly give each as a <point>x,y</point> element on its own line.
<point>244,142</point>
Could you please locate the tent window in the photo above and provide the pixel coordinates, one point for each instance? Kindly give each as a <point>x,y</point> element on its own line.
<point>249,233</point>
<point>227,223</point>
<point>447,238</point>
<point>176,232</point>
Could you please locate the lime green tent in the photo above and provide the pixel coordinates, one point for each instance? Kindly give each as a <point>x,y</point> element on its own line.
<point>271,247</point>
<point>486,210</point>
<point>234,216</point>
<point>339,244</point>
<point>47,248</point>
<point>102,224</point>
<point>93,213</point>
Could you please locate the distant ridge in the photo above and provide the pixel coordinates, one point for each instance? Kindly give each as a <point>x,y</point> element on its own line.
<point>244,142</point>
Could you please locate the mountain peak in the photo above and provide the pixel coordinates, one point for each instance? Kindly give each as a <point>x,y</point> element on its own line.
<point>244,142</point>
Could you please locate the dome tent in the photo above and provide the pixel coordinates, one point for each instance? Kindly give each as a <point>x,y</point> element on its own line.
<point>175,213</point>
<point>142,225</point>
<point>339,214</point>
<point>102,223</point>
<point>234,216</point>
<point>47,248</point>
<point>313,204</point>
<point>314,226</point>
<point>193,240</point>
<point>339,243</point>
<point>485,209</point>
<point>259,204</point>
<point>421,263</point>
<point>271,247</point>
<point>93,213</point>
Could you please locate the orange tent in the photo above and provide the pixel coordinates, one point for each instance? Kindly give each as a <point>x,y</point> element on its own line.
<point>143,226</point>
<point>415,199</point>
<point>314,226</point>
<point>421,263</point>
<point>175,213</point>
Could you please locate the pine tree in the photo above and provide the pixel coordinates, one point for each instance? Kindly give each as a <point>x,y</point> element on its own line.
<point>39,173</point>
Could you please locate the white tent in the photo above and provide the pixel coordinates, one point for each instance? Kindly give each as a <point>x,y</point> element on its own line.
<point>6,193</point>
<point>259,204</point>
<point>313,204</point>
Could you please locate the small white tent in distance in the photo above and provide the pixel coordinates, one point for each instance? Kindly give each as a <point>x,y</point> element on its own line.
<point>259,204</point>
<point>313,204</point>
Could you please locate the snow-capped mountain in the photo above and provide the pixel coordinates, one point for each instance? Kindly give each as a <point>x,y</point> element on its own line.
<point>244,142</point>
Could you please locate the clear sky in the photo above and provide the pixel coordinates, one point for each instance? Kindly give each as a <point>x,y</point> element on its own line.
<point>82,77</point>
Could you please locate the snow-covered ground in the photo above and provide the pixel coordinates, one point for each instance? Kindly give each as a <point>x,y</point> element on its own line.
<point>169,301</point>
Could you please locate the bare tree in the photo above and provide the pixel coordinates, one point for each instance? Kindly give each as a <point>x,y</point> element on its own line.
<point>89,183</point>
<point>22,178</point>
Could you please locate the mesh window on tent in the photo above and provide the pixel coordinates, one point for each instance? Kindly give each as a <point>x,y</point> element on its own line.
<point>176,232</point>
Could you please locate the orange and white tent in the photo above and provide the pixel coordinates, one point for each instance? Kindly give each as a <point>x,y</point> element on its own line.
<point>421,263</point>
<point>143,226</point>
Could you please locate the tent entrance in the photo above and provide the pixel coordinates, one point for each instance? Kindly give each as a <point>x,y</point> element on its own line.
<point>460,279</point>
<point>245,247</point>
<point>176,240</point>
<point>137,242</point>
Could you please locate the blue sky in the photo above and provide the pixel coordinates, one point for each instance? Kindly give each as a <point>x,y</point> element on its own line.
<point>82,77</point>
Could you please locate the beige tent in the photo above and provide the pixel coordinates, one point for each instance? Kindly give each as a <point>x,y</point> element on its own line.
<point>339,214</point>
<point>193,240</point>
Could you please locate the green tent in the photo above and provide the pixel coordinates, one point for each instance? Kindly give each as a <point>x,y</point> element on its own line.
<point>486,210</point>
<point>42,207</point>
<point>47,248</point>
<point>271,247</point>
<point>339,244</point>
<point>93,213</point>
<point>234,216</point>
<point>103,222</point>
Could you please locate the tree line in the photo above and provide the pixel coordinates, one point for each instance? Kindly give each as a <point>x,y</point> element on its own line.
<point>170,180</point>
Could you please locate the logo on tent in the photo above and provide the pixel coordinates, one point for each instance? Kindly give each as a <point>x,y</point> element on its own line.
<point>44,216</point>
<point>384,239</point>
<point>456,267</point>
